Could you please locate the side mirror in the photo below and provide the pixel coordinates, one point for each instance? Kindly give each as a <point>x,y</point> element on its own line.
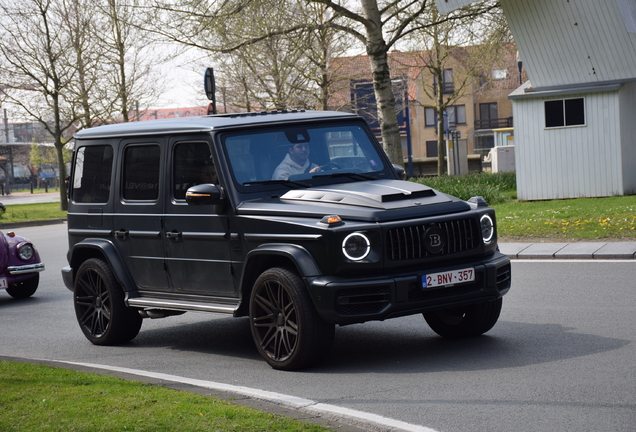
<point>204,194</point>
<point>399,170</point>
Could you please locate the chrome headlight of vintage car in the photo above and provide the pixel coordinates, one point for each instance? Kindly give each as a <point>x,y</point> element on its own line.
<point>25,252</point>
<point>487,228</point>
<point>356,246</point>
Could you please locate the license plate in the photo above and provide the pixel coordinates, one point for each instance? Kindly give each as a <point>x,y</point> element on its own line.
<point>3,283</point>
<point>448,278</point>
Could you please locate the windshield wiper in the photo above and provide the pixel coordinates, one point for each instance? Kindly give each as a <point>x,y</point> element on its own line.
<point>283,182</point>
<point>352,175</point>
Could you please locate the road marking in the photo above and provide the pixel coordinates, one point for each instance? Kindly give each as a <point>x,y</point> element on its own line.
<point>376,422</point>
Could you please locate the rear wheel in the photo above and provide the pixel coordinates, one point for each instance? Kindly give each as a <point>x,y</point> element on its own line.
<point>25,288</point>
<point>466,321</point>
<point>288,332</point>
<point>99,305</point>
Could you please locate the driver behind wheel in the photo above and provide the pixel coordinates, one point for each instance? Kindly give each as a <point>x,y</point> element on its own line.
<point>296,161</point>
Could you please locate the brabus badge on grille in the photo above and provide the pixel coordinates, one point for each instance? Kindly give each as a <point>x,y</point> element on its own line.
<point>434,239</point>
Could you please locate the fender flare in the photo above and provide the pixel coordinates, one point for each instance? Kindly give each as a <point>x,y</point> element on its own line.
<point>108,251</point>
<point>301,258</point>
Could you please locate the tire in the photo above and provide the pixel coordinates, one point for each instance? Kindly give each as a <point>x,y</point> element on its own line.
<point>287,330</point>
<point>465,322</point>
<point>24,289</point>
<point>99,305</point>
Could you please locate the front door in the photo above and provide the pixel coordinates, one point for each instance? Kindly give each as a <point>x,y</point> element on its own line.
<point>196,237</point>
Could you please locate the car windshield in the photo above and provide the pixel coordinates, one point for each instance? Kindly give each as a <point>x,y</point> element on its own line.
<point>302,156</point>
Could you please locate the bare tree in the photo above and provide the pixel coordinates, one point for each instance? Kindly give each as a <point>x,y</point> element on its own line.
<point>130,57</point>
<point>473,42</point>
<point>38,70</point>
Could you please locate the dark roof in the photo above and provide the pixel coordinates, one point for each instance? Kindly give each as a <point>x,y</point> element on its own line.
<point>205,123</point>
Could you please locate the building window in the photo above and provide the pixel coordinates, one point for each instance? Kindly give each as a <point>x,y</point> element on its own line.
<point>456,116</point>
<point>430,116</point>
<point>447,82</point>
<point>564,112</point>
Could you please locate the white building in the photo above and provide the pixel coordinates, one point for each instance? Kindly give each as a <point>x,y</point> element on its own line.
<point>575,121</point>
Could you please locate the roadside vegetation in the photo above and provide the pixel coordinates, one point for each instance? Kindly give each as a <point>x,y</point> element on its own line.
<point>17,213</point>
<point>42,398</point>
<point>568,219</point>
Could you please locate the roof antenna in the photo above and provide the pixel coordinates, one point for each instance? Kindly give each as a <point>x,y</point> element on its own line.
<point>208,84</point>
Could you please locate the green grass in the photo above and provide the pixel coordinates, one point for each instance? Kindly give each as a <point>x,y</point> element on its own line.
<point>581,218</point>
<point>42,398</point>
<point>31,212</point>
<point>568,219</point>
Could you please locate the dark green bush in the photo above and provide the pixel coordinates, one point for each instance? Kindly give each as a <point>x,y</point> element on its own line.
<point>494,187</point>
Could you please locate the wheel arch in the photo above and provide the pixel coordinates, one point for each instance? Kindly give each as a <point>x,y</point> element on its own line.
<point>267,256</point>
<point>105,250</point>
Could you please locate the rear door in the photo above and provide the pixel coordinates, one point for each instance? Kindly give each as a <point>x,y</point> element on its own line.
<point>137,215</point>
<point>196,237</point>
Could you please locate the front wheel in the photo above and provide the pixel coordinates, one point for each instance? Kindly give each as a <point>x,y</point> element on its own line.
<point>26,288</point>
<point>288,332</point>
<point>466,321</point>
<point>99,305</point>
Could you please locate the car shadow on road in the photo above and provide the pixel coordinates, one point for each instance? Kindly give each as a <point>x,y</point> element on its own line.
<point>394,346</point>
<point>508,345</point>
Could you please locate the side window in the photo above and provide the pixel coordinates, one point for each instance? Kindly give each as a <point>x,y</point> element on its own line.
<point>141,173</point>
<point>92,174</point>
<point>192,165</point>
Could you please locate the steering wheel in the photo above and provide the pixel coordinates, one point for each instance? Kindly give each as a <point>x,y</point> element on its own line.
<point>330,166</point>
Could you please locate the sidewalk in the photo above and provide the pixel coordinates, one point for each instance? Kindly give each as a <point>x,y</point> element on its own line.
<point>582,250</point>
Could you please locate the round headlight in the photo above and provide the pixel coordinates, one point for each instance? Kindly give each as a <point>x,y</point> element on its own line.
<point>356,246</point>
<point>487,228</point>
<point>25,252</point>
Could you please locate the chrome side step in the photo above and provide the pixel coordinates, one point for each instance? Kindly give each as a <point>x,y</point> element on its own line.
<point>179,305</point>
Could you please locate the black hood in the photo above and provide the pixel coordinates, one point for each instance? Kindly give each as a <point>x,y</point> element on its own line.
<point>379,200</point>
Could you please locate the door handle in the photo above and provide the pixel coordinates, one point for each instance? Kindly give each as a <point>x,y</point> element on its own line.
<point>173,234</point>
<point>121,233</point>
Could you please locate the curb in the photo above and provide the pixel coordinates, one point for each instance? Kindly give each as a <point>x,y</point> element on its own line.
<point>584,250</point>
<point>27,224</point>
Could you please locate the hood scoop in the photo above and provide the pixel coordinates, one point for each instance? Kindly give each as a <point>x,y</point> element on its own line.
<point>365,194</point>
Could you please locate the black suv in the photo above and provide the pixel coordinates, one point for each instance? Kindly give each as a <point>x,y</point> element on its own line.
<point>295,219</point>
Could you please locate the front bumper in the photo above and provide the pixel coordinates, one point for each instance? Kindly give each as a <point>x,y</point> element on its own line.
<point>24,269</point>
<point>354,300</point>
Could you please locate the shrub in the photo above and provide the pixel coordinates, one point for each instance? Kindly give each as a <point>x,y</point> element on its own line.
<point>494,187</point>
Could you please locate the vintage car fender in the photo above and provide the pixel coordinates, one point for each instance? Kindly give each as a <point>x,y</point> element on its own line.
<point>97,248</point>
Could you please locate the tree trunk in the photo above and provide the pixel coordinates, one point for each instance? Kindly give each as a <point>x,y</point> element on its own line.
<point>377,52</point>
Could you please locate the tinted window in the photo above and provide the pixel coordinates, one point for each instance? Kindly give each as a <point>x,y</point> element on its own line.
<point>92,174</point>
<point>141,173</point>
<point>192,165</point>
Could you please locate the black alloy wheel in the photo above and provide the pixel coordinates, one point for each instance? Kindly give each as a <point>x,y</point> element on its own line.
<point>99,305</point>
<point>288,332</point>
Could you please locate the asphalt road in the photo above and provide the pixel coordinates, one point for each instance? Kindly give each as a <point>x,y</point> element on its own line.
<point>561,358</point>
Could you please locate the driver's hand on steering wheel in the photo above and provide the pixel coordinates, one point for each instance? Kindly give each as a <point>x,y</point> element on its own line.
<point>315,169</point>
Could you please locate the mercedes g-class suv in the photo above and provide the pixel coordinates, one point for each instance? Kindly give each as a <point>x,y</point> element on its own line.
<point>295,219</point>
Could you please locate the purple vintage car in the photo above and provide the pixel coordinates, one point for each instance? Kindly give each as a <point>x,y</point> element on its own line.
<point>19,265</point>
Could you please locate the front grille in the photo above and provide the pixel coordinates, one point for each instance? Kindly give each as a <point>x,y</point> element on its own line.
<point>407,243</point>
<point>361,301</point>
